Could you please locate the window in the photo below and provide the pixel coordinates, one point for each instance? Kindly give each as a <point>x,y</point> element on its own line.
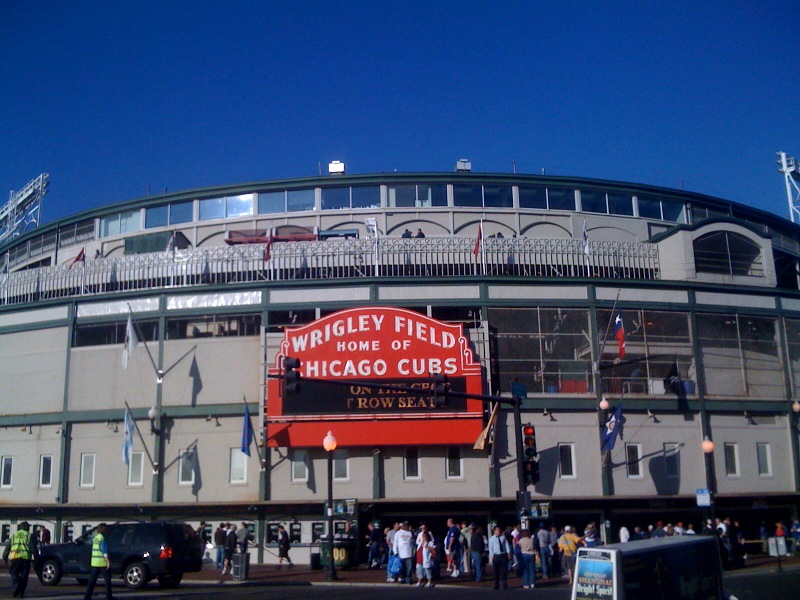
<point>532,197</point>
<point>593,201</point>
<point>213,326</point>
<point>297,200</point>
<point>87,470</point>
<point>366,196</point>
<point>454,470</point>
<point>335,197</point>
<point>239,206</point>
<point>186,467</point>
<point>411,463</point>
<point>764,457</point>
<point>566,461</point>
<point>126,222</point>
<point>732,460</point>
<point>468,195</point>
<point>112,333</point>
<point>181,212</point>
<point>136,469</point>
<point>741,355</point>
<point>498,196</point>
<point>409,196</point>
<point>46,471</point>
<point>6,467</point>
<point>727,253</point>
<point>238,466</point>
<point>672,464</point>
<point>271,202</point>
<point>299,465</point>
<point>633,460</point>
<point>543,348</point>
<point>341,465</point>
<point>664,210</point>
<point>560,199</point>
<point>213,208</point>
<point>156,216</point>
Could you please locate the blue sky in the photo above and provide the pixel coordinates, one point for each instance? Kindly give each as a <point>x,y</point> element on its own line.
<point>117,98</point>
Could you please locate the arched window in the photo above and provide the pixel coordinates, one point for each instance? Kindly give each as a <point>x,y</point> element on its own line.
<point>728,253</point>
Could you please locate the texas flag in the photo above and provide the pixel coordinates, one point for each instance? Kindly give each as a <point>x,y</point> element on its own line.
<point>619,333</point>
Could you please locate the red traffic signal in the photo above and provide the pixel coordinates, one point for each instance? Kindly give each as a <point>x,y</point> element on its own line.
<point>529,441</point>
<point>291,376</point>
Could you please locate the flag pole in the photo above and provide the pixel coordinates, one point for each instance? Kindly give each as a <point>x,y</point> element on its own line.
<point>153,464</point>
<point>159,374</point>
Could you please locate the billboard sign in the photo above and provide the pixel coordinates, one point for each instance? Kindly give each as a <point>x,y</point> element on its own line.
<point>349,360</point>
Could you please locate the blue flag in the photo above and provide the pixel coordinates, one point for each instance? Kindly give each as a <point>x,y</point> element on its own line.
<point>611,429</point>
<point>247,431</point>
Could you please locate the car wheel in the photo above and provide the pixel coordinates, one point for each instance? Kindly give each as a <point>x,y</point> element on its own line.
<point>170,581</point>
<point>50,572</point>
<point>135,576</point>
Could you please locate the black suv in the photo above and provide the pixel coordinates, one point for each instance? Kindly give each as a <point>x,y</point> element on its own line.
<point>139,552</point>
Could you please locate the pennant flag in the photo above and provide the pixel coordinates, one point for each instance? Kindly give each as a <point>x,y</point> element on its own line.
<point>619,333</point>
<point>127,442</point>
<point>476,250</point>
<point>586,250</point>
<point>247,431</point>
<point>81,258</point>
<point>170,244</point>
<point>611,431</point>
<point>480,443</point>
<point>131,341</point>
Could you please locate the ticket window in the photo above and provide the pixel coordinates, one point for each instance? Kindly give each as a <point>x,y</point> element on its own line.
<point>295,533</point>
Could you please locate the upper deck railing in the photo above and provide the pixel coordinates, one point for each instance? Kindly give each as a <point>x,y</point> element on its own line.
<point>443,257</point>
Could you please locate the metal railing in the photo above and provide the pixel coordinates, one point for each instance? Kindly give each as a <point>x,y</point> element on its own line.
<point>336,259</point>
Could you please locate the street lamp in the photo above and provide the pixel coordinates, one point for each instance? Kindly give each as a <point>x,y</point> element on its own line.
<point>707,445</point>
<point>329,444</point>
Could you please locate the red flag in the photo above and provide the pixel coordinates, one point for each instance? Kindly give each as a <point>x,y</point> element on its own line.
<point>476,250</point>
<point>81,258</point>
<point>267,251</point>
<point>619,333</point>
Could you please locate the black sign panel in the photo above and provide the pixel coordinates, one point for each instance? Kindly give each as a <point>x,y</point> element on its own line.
<point>327,398</point>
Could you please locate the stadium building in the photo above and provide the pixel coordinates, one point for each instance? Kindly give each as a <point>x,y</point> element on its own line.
<point>581,296</point>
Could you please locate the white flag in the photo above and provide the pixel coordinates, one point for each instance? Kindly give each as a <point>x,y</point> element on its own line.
<point>131,341</point>
<point>127,442</point>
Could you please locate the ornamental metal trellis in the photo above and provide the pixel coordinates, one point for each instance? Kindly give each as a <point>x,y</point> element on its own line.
<point>438,257</point>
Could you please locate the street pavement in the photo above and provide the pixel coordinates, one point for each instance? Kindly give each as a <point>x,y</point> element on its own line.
<point>762,578</point>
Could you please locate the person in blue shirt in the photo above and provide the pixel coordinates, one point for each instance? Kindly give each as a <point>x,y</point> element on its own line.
<point>500,553</point>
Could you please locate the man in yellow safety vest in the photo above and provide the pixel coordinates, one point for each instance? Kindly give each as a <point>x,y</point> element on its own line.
<point>100,563</point>
<point>19,552</point>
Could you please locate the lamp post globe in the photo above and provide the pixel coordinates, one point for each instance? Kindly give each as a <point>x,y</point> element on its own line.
<point>707,445</point>
<point>329,444</point>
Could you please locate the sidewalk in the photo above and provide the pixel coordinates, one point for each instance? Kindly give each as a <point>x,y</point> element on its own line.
<point>304,575</point>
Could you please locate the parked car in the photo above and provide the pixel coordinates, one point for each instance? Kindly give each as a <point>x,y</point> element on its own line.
<point>139,552</point>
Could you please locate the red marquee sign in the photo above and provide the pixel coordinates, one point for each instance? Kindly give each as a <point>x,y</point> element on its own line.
<point>377,346</point>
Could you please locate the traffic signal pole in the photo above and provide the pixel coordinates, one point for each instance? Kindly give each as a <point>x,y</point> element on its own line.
<point>520,450</point>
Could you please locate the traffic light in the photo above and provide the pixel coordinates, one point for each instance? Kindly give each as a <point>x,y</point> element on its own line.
<point>530,466</point>
<point>529,442</point>
<point>291,376</point>
<point>441,389</point>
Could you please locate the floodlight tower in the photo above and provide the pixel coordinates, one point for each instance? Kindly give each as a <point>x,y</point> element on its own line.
<point>791,172</point>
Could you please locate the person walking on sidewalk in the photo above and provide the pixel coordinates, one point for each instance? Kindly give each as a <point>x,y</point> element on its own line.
<point>219,542</point>
<point>230,549</point>
<point>19,552</point>
<point>283,547</point>
<point>477,548</point>
<point>100,563</point>
<point>529,550</point>
<point>500,551</point>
